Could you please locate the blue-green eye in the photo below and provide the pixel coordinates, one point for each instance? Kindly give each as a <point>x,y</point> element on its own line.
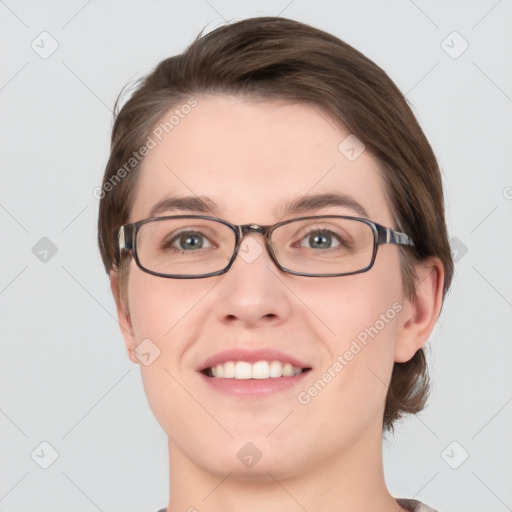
<point>320,239</point>
<point>187,241</point>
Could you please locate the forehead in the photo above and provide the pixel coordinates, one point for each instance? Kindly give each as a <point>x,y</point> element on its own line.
<point>252,158</point>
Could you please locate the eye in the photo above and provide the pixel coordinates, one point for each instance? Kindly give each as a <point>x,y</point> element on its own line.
<point>187,241</point>
<point>320,239</point>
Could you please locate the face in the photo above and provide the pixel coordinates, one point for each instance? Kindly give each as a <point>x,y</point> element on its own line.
<point>251,160</point>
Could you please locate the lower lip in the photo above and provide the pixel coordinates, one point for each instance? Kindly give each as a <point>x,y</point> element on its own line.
<point>253,387</point>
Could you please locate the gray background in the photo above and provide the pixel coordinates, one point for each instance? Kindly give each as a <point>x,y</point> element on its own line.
<point>65,378</point>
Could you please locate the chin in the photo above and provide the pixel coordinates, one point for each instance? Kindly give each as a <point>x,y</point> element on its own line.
<point>253,457</point>
<point>262,467</point>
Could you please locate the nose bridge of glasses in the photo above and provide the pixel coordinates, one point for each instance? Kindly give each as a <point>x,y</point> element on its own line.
<point>246,229</point>
<point>252,228</point>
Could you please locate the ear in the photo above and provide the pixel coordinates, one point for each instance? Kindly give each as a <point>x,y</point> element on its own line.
<point>419,314</point>
<point>123,316</point>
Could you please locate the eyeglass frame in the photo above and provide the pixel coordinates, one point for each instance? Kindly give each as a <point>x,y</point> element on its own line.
<point>127,239</point>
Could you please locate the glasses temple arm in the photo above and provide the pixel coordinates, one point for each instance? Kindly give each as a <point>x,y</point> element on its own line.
<point>125,238</point>
<point>390,236</point>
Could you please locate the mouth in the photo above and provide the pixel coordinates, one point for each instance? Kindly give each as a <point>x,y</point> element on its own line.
<point>252,372</point>
<point>245,370</point>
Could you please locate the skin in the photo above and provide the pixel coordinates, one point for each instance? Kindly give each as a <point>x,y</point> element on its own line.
<point>250,158</point>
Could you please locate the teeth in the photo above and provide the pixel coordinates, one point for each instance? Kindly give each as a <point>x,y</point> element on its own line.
<point>229,370</point>
<point>242,370</point>
<point>287,370</point>
<point>276,369</point>
<point>258,370</point>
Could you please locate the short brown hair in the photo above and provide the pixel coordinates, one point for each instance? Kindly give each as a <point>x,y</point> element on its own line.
<point>269,58</point>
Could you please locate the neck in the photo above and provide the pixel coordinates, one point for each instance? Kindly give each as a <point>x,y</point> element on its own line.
<point>353,482</point>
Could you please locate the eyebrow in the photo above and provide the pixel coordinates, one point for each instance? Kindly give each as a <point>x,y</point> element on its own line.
<point>307,203</point>
<point>320,201</point>
<point>200,204</point>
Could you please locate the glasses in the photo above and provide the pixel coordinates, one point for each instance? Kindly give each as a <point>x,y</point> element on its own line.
<point>196,246</point>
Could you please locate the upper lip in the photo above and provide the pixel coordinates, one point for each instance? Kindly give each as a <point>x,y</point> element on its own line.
<point>252,356</point>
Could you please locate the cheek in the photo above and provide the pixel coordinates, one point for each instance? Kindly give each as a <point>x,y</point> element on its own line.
<point>164,312</point>
<point>160,307</point>
<point>361,315</point>
<point>168,313</point>
<point>350,304</point>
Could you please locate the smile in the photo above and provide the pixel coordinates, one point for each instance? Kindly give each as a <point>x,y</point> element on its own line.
<point>245,370</point>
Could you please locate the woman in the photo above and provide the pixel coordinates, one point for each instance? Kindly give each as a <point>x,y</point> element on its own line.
<point>272,224</point>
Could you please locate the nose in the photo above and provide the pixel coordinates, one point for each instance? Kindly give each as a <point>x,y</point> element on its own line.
<point>252,292</point>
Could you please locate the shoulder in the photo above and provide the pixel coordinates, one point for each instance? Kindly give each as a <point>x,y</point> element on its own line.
<point>414,505</point>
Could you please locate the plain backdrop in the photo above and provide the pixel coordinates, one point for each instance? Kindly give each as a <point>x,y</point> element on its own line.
<point>71,400</point>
